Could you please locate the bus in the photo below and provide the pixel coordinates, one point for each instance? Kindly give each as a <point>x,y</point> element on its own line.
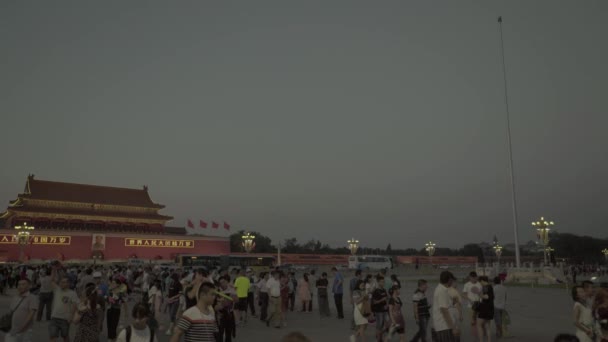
<point>369,262</point>
<point>255,262</point>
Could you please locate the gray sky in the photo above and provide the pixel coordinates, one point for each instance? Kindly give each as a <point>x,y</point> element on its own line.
<point>384,121</point>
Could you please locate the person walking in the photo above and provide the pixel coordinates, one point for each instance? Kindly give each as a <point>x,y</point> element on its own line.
<point>252,291</point>
<point>361,311</point>
<point>23,308</point>
<point>263,295</point>
<point>242,285</point>
<point>304,292</point>
<point>312,281</point>
<point>224,310</point>
<point>471,292</point>
<point>198,323</point>
<point>116,299</point>
<point>86,316</point>
<point>445,327</point>
<point>139,330</point>
<point>173,297</point>
<point>292,286</point>
<point>583,318</point>
<point>396,314</point>
<point>45,296</point>
<point>421,311</point>
<point>379,305</point>
<point>64,305</point>
<point>338,291</point>
<point>322,295</point>
<point>273,286</point>
<point>500,303</point>
<point>485,312</point>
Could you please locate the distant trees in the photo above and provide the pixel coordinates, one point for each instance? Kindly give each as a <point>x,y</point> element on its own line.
<point>568,246</point>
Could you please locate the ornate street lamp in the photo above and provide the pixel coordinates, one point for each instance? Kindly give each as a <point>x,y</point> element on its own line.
<point>498,251</point>
<point>430,248</point>
<point>248,242</point>
<point>353,246</point>
<point>23,237</point>
<point>542,232</point>
<point>605,252</point>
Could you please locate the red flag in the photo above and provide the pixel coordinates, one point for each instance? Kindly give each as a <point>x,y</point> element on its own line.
<point>190,224</point>
<point>226,226</point>
<point>202,223</point>
<point>214,225</point>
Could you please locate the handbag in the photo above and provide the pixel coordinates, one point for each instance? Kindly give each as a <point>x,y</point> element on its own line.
<point>6,321</point>
<point>475,306</point>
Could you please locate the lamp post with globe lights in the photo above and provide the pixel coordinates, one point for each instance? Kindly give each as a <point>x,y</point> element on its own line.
<point>23,237</point>
<point>248,242</point>
<point>353,246</point>
<point>429,247</point>
<point>605,252</point>
<point>498,252</point>
<point>542,232</point>
<point>549,250</point>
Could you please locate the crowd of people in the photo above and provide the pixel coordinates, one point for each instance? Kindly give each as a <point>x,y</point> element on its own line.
<point>211,304</point>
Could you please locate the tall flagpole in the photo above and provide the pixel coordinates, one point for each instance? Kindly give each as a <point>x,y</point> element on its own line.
<point>510,148</point>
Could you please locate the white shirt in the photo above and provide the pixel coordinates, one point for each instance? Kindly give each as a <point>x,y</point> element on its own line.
<point>274,287</point>
<point>136,335</point>
<point>312,280</point>
<point>262,286</point>
<point>472,297</point>
<point>441,299</point>
<point>500,296</point>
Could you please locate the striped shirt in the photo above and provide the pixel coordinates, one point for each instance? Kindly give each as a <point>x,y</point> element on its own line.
<point>198,326</point>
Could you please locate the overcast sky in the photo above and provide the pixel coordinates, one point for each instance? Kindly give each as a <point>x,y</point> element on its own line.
<point>384,121</point>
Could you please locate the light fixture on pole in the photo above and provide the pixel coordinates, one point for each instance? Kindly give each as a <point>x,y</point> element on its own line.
<point>605,252</point>
<point>542,232</point>
<point>498,251</point>
<point>353,246</point>
<point>430,248</point>
<point>248,242</point>
<point>23,237</point>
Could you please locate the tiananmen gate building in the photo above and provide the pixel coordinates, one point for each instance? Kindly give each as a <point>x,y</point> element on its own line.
<point>89,222</point>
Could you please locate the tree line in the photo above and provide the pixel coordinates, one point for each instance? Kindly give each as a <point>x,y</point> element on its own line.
<point>568,246</point>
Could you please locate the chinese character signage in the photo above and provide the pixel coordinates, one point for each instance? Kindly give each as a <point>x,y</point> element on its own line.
<point>38,240</point>
<point>137,242</point>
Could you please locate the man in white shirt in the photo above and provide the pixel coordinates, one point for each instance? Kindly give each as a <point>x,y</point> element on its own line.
<point>273,285</point>
<point>471,291</point>
<point>447,330</point>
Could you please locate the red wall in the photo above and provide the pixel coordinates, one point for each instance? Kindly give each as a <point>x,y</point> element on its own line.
<point>80,248</point>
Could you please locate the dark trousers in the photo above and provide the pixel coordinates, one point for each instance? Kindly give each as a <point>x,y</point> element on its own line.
<point>310,303</point>
<point>263,305</point>
<point>226,328</point>
<point>112,322</point>
<point>251,303</point>
<point>338,301</point>
<point>423,323</point>
<point>292,301</point>
<point>45,299</point>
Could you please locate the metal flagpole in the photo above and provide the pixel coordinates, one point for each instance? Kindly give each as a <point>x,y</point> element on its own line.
<point>510,148</point>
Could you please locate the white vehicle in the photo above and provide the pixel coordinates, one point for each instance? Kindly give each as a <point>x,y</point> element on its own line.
<point>369,262</point>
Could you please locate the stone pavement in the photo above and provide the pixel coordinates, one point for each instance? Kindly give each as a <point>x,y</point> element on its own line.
<point>538,314</point>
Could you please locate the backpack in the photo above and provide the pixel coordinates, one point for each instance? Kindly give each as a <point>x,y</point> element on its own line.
<point>129,334</point>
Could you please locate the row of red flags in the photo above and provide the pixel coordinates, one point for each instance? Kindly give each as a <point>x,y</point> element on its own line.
<point>204,225</point>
